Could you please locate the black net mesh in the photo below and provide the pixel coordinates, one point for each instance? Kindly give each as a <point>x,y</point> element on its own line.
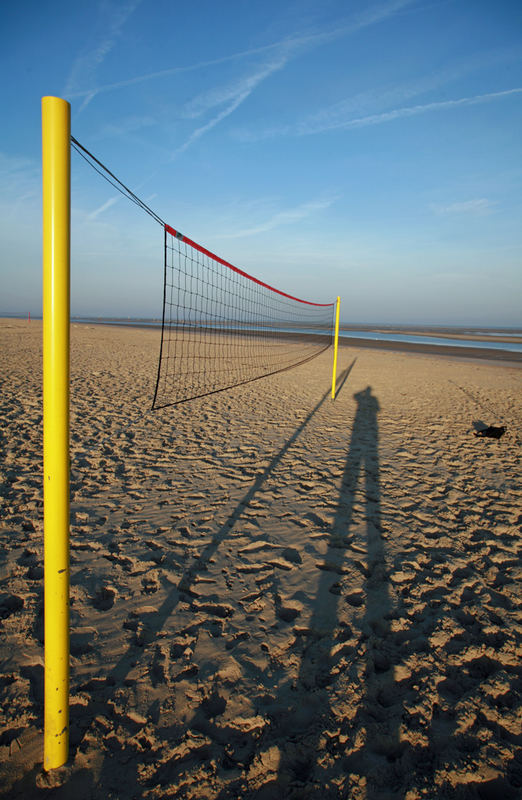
<point>222,328</point>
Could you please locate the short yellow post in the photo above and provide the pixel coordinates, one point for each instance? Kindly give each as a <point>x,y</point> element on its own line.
<point>56,172</point>
<point>336,345</point>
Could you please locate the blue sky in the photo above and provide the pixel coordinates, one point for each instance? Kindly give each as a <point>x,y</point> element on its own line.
<point>367,149</point>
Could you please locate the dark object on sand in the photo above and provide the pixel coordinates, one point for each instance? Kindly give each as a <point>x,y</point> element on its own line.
<point>491,432</point>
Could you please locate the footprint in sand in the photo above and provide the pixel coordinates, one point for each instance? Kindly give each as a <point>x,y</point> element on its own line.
<point>82,641</point>
<point>286,612</point>
<point>10,604</point>
<point>104,598</point>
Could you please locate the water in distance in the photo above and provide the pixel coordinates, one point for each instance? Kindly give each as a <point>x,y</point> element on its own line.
<point>368,335</point>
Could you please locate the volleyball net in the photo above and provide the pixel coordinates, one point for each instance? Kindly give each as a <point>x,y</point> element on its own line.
<point>223,328</point>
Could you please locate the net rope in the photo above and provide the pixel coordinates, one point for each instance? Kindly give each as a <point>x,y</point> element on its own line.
<point>221,327</point>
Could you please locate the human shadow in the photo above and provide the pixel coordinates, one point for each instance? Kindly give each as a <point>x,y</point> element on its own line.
<point>314,743</point>
<point>376,723</point>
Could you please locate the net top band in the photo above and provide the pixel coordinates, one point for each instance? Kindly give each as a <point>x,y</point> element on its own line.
<point>208,253</point>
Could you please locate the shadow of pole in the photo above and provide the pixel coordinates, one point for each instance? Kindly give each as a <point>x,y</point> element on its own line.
<point>204,558</point>
<point>301,727</point>
<point>156,623</point>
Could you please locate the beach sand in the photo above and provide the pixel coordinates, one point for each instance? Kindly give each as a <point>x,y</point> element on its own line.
<point>273,595</point>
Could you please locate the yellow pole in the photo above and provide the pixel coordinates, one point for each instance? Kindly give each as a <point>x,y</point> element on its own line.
<point>56,172</point>
<point>336,345</point>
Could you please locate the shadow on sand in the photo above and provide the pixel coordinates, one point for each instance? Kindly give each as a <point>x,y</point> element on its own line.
<point>324,755</point>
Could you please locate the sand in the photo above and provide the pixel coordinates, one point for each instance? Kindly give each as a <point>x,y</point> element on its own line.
<point>272,595</point>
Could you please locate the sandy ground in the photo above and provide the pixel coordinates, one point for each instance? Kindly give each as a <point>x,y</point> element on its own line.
<point>272,595</point>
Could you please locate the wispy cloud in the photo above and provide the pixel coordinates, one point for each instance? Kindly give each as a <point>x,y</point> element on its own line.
<point>328,121</point>
<point>379,100</point>
<point>16,169</point>
<point>85,65</point>
<point>233,95</point>
<point>287,217</point>
<point>104,207</point>
<point>411,111</point>
<point>476,207</point>
<point>229,93</point>
<point>166,73</point>
<point>20,182</point>
<point>97,212</point>
<point>125,126</point>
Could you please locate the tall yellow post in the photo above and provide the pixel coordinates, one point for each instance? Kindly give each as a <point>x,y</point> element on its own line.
<point>336,345</point>
<point>56,174</point>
